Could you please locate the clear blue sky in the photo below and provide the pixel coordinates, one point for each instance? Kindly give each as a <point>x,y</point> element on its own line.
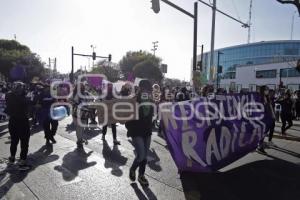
<point>51,27</point>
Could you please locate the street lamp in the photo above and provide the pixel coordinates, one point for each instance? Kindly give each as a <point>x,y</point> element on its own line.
<point>219,68</point>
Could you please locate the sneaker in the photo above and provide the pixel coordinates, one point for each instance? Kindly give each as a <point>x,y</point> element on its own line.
<point>52,139</point>
<point>11,161</point>
<point>116,142</point>
<point>143,181</point>
<point>261,150</point>
<point>132,175</point>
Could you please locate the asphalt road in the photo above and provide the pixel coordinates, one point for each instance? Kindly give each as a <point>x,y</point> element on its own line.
<point>101,171</point>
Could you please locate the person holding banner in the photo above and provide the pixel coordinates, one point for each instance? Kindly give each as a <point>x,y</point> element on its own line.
<point>140,131</point>
<point>269,111</point>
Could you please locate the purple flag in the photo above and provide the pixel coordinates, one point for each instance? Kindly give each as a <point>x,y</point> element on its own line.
<point>130,77</point>
<point>206,134</point>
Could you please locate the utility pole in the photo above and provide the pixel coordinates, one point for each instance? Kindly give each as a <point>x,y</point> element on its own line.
<point>213,28</point>
<point>156,9</point>
<point>195,36</point>
<point>219,69</point>
<point>72,69</point>
<point>155,46</point>
<point>51,72</point>
<point>249,23</point>
<point>292,27</point>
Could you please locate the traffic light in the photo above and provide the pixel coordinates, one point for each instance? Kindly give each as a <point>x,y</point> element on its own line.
<point>94,56</point>
<point>109,57</point>
<point>155,5</point>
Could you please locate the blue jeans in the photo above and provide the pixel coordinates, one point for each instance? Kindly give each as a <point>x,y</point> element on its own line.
<point>141,146</point>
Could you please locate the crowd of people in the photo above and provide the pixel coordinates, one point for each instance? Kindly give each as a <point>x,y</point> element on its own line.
<point>29,105</point>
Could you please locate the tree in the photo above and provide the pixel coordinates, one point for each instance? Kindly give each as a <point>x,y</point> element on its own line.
<point>13,53</point>
<point>148,69</point>
<point>173,82</point>
<point>106,69</point>
<point>143,64</point>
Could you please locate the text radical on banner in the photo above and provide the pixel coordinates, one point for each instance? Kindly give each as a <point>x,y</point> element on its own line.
<point>207,134</point>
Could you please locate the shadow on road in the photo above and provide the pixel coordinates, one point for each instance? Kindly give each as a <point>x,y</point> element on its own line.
<point>3,130</point>
<point>153,159</point>
<point>73,162</point>
<point>113,159</point>
<point>12,175</point>
<point>70,127</point>
<point>265,179</point>
<point>153,163</point>
<point>292,153</point>
<point>149,194</point>
<point>90,133</point>
<point>288,137</point>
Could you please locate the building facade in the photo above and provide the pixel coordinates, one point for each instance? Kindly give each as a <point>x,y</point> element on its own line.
<point>261,63</point>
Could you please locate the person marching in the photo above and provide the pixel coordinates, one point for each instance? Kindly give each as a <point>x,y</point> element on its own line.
<point>140,131</point>
<point>78,101</point>
<point>269,110</point>
<point>286,114</point>
<point>297,106</point>
<point>109,96</point>
<point>49,125</point>
<point>18,125</point>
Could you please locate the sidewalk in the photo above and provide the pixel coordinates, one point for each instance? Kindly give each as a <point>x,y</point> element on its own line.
<point>101,172</point>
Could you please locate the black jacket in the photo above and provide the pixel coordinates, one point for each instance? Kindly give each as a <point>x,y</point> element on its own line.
<point>286,107</point>
<point>143,126</point>
<point>16,106</point>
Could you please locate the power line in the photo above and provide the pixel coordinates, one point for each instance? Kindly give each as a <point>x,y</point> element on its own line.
<point>236,10</point>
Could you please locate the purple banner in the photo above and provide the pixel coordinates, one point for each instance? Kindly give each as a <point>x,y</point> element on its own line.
<point>94,81</point>
<point>207,134</point>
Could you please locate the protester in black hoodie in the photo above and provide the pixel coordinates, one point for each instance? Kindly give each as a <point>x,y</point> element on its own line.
<point>140,131</point>
<point>18,125</point>
<point>269,111</point>
<point>49,125</point>
<point>286,112</point>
